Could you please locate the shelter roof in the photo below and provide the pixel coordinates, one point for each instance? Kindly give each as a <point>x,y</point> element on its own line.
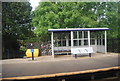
<point>78,29</point>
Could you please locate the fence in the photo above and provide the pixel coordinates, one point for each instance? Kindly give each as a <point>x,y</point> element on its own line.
<point>9,53</point>
<point>113,45</point>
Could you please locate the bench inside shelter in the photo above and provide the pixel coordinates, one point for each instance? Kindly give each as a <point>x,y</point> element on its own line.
<point>62,50</point>
<point>82,51</point>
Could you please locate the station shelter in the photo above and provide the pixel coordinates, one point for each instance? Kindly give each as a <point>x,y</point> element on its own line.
<point>62,40</point>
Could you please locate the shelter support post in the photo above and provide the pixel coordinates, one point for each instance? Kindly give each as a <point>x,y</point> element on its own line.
<point>71,38</point>
<point>67,40</point>
<point>77,38</point>
<point>52,44</point>
<point>82,42</point>
<point>101,39</point>
<point>96,44</point>
<point>105,42</point>
<point>89,38</point>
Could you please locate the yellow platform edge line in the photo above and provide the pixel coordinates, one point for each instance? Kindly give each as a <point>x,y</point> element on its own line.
<point>59,74</point>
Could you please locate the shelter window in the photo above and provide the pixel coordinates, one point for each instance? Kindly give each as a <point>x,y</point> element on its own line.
<point>75,35</point>
<point>75,43</point>
<point>80,38</point>
<point>85,34</point>
<point>92,37</point>
<point>80,34</point>
<point>85,42</point>
<point>92,41</point>
<point>100,38</point>
<point>79,42</point>
<point>64,42</point>
<point>69,42</point>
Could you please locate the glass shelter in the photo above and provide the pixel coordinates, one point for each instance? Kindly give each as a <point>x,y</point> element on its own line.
<point>62,40</point>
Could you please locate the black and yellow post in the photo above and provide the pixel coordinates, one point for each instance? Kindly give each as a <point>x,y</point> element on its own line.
<point>32,50</point>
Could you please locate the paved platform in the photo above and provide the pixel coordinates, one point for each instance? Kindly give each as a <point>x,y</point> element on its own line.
<point>50,58</point>
<point>60,64</point>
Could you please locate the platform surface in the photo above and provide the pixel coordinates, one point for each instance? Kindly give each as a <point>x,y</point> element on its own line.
<point>60,64</point>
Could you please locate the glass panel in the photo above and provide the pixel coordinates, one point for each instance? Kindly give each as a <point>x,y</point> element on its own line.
<point>85,42</point>
<point>64,42</point>
<point>69,36</point>
<point>85,34</point>
<point>92,34</point>
<point>75,43</point>
<point>98,42</point>
<point>103,41</point>
<point>79,42</point>
<point>69,42</point>
<point>55,43</point>
<point>59,37</point>
<point>80,34</point>
<point>75,35</point>
<point>59,43</point>
<point>92,41</point>
<point>63,36</point>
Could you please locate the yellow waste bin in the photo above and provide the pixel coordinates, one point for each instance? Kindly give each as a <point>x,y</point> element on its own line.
<point>29,53</point>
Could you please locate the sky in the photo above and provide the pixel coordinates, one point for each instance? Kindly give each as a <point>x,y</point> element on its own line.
<point>34,3</point>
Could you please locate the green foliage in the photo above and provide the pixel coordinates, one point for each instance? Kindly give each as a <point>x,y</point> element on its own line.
<point>119,19</point>
<point>16,19</point>
<point>32,40</point>
<point>16,24</point>
<point>75,15</point>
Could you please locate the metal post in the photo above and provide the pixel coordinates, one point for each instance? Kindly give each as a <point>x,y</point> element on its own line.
<point>71,38</point>
<point>89,54</point>
<point>105,42</point>
<point>77,38</point>
<point>52,44</point>
<point>67,41</point>
<point>82,42</point>
<point>89,38</point>
<point>32,56</point>
<point>101,39</point>
<point>96,44</point>
<point>32,51</point>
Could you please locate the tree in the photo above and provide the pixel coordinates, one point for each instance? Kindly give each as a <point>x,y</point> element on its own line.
<point>16,22</point>
<point>75,15</point>
<point>62,15</point>
<point>108,17</point>
<point>16,19</point>
<point>118,19</point>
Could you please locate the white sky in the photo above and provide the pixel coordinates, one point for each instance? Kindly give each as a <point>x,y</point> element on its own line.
<point>34,3</point>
